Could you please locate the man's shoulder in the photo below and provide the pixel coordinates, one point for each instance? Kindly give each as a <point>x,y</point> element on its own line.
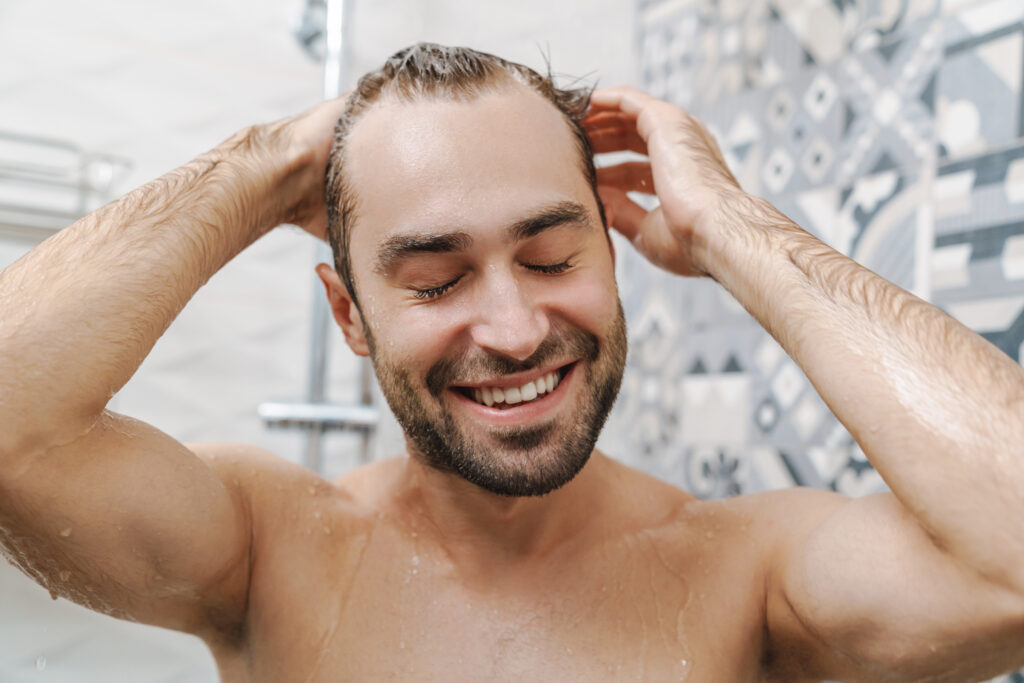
<point>269,484</point>
<point>784,510</point>
<point>247,465</point>
<point>770,519</point>
<point>772,526</point>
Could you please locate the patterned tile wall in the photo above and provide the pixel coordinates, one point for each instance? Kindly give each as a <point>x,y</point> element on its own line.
<point>894,131</point>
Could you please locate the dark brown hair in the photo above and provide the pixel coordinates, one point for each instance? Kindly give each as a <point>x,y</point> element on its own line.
<point>427,70</point>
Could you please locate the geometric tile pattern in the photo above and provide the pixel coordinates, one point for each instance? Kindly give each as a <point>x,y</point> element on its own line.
<point>894,131</point>
<point>977,264</point>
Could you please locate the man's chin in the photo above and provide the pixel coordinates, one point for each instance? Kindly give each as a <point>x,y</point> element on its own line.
<point>519,461</point>
<point>521,482</point>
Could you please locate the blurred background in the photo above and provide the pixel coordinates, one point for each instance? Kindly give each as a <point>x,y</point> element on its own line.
<point>891,129</point>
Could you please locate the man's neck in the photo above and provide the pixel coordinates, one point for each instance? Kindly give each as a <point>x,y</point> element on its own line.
<point>481,529</point>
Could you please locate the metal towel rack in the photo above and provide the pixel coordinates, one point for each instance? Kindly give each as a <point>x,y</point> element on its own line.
<point>47,184</point>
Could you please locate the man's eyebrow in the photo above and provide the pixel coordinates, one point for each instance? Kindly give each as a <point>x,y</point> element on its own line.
<point>400,247</point>
<point>561,213</point>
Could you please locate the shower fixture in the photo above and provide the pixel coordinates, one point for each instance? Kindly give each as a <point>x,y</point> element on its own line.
<point>322,32</point>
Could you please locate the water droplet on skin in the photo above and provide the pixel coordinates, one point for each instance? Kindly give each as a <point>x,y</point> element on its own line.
<point>64,575</point>
<point>401,645</point>
<point>312,490</point>
<point>414,534</point>
<point>327,530</point>
<point>317,514</point>
<point>40,663</point>
<point>710,534</point>
<point>568,650</point>
<point>66,532</point>
<point>415,559</point>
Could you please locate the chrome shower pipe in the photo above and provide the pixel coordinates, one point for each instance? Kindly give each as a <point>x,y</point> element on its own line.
<point>316,415</point>
<point>319,353</point>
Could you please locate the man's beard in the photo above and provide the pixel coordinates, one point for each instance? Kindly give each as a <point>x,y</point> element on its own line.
<point>526,460</point>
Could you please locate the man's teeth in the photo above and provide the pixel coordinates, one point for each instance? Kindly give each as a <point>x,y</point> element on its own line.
<point>513,395</point>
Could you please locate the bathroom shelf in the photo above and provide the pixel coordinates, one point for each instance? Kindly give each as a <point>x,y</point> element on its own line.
<point>46,184</point>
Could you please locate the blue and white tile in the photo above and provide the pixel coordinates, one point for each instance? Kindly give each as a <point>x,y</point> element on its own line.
<point>977,265</point>
<point>979,94</point>
<point>888,100</point>
<point>783,138</point>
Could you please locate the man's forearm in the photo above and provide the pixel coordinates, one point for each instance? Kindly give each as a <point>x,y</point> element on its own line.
<point>80,312</point>
<point>938,410</point>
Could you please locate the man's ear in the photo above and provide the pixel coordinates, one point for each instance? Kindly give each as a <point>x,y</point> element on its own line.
<point>345,311</point>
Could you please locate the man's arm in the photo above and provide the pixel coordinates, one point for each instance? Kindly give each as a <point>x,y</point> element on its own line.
<point>99,508</point>
<point>910,583</point>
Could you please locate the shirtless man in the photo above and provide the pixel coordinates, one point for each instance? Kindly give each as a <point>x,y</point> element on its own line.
<point>474,257</point>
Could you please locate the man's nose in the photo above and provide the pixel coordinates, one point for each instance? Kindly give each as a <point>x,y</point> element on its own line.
<point>508,320</point>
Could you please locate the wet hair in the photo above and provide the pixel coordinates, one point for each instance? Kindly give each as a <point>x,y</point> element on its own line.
<point>431,71</point>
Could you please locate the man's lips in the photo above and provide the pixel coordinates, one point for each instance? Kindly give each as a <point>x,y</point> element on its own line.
<point>518,379</point>
<point>509,401</point>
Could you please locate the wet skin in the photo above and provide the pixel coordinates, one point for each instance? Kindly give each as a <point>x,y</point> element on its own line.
<point>402,571</point>
<point>419,575</point>
<point>423,576</point>
<point>356,581</point>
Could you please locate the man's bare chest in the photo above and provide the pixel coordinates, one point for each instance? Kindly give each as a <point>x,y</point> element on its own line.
<point>392,609</point>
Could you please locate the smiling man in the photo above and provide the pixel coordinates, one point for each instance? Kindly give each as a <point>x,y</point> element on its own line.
<point>486,267</point>
<point>473,265</point>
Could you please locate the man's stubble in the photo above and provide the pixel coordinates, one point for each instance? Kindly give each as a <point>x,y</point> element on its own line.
<point>510,461</point>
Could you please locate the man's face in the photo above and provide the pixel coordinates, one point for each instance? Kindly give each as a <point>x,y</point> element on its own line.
<point>486,285</point>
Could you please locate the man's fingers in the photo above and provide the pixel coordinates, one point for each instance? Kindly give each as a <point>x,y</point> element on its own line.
<point>617,140</point>
<point>608,119</point>
<point>613,131</point>
<point>631,176</point>
<point>623,98</point>
<point>649,113</point>
<point>626,214</point>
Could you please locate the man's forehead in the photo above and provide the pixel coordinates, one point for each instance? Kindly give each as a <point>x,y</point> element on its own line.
<point>438,161</point>
<point>507,111</point>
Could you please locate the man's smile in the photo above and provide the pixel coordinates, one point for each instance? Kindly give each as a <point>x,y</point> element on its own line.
<point>510,396</point>
<point>517,398</point>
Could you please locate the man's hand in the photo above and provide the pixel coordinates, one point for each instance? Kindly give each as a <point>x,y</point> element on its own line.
<point>311,135</point>
<point>686,171</point>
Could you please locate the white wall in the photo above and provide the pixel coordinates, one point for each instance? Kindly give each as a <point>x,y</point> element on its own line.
<point>159,82</point>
